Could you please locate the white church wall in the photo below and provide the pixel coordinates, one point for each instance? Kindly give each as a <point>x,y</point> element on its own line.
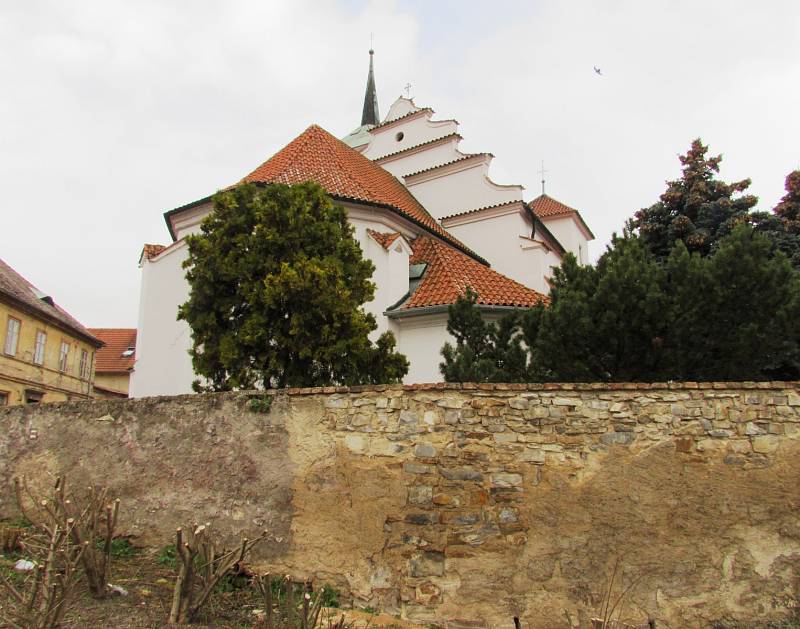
<point>400,108</point>
<point>504,242</point>
<point>570,235</point>
<point>407,133</point>
<point>420,339</point>
<point>462,190</point>
<point>423,158</point>
<point>163,365</point>
<point>188,222</point>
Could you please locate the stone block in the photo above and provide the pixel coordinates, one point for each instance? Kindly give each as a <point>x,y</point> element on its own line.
<point>425,450</point>
<point>617,438</point>
<point>519,403</point>
<point>461,473</point>
<point>765,444</point>
<point>430,418</point>
<point>356,443</point>
<point>416,468</point>
<point>420,494</point>
<point>427,564</point>
<point>531,456</point>
<point>409,417</point>
<point>506,479</point>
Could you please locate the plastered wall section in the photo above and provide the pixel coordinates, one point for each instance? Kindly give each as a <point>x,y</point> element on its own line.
<point>464,505</point>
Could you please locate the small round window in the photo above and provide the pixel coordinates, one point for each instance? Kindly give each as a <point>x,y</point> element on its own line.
<point>399,136</point>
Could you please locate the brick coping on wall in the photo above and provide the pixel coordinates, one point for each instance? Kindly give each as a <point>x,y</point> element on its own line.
<point>471,386</point>
<point>532,386</point>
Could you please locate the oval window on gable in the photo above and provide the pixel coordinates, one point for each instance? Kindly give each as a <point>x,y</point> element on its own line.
<point>400,135</point>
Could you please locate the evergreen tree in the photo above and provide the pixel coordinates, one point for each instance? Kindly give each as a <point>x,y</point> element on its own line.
<point>697,209</point>
<point>736,312</point>
<point>277,282</point>
<point>484,351</point>
<point>782,226</point>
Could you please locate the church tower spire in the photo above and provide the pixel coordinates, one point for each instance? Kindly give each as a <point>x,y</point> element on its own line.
<point>370,114</point>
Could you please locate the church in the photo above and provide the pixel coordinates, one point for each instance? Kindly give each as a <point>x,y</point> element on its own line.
<point>426,214</point>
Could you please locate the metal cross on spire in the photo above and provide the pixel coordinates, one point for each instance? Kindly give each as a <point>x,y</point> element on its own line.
<point>542,172</point>
<point>407,88</point>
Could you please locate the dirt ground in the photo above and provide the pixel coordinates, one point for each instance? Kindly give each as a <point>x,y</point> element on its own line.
<point>149,596</point>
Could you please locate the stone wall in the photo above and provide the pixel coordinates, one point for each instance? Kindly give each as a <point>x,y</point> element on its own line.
<point>464,505</point>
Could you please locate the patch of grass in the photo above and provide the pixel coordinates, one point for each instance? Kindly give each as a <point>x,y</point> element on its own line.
<point>330,597</point>
<point>370,610</point>
<point>120,547</point>
<point>168,556</point>
<point>19,522</point>
<point>261,404</point>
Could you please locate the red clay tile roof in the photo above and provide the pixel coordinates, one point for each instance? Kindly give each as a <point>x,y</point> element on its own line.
<point>151,251</point>
<point>450,272</point>
<point>547,207</point>
<point>26,296</point>
<point>384,239</point>
<point>316,155</point>
<point>117,341</point>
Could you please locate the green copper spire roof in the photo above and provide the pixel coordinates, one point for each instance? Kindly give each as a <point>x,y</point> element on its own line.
<point>370,115</point>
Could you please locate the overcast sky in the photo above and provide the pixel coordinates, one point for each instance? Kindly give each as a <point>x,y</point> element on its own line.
<point>112,112</point>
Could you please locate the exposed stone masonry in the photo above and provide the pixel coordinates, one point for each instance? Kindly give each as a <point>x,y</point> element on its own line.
<point>468,505</point>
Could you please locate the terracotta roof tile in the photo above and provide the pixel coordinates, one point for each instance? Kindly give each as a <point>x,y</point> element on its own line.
<point>117,340</point>
<point>449,272</point>
<point>26,295</point>
<point>316,155</point>
<point>547,207</point>
<point>151,251</point>
<point>384,239</point>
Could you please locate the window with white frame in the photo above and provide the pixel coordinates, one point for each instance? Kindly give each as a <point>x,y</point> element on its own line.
<point>84,369</point>
<point>63,356</point>
<point>38,350</point>
<point>12,336</point>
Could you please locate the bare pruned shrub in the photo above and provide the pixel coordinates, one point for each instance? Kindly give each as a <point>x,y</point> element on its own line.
<point>201,565</point>
<point>294,606</point>
<point>93,528</point>
<point>41,601</point>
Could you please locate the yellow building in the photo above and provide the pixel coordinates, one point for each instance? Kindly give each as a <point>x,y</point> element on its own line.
<point>45,354</point>
<point>114,362</point>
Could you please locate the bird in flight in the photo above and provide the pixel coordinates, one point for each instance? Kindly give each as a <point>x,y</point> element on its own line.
<point>597,70</point>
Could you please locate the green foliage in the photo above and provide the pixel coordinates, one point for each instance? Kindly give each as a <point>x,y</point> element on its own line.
<point>486,351</point>
<point>277,282</point>
<point>697,209</point>
<point>731,315</point>
<point>330,596</point>
<point>261,404</point>
<point>168,556</point>
<point>120,547</point>
<point>782,226</point>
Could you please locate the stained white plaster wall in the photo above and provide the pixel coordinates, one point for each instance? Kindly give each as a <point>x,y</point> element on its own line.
<point>407,133</point>
<point>415,161</point>
<point>498,241</point>
<point>570,235</point>
<point>460,191</point>
<point>163,366</point>
<point>420,339</point>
